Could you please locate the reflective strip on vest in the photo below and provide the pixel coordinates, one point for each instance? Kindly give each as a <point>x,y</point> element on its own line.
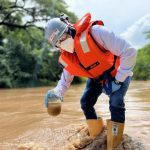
<point>83,43</point>
<point>82,20</point>
<point>63,62</point>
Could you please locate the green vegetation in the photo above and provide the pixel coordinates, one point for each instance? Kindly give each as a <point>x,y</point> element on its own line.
<point>142,68</point>
<point>25,59</point>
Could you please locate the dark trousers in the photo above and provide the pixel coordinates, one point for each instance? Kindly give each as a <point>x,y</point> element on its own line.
<point>116,100</point>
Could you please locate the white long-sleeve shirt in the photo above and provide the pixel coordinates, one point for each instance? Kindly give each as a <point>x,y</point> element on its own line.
<point>113,43</point>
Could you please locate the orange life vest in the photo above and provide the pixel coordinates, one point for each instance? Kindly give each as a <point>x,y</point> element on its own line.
<point>90,59</point>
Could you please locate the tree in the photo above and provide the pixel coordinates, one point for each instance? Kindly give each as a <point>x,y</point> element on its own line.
<point>24,58</point>
<point>142,68</point>
<point>25,13</point>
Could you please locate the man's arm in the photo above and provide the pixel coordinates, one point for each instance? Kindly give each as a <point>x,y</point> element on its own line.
<point>58,92</point>
<point>64,82</point>
<point>118,47</point>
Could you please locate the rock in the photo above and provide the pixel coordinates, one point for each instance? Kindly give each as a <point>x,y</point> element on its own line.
<point>81,140</point>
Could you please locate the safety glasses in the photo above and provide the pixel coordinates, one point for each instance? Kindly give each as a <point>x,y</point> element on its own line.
<point>61,39</point>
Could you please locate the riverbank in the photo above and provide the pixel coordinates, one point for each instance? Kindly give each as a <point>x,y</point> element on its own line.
<point>70,137</point>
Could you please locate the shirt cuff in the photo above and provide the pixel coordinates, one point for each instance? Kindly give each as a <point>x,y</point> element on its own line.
<point>60,90</point>
<point>121,77</point>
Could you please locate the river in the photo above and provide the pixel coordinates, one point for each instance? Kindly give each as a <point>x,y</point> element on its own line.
<point>22,111</point>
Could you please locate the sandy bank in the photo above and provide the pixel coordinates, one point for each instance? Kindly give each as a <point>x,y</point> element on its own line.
<point>71,137</point>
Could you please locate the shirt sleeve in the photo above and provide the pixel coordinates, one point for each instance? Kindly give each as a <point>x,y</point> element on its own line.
<point>119,47</point>
<point>64,82</point>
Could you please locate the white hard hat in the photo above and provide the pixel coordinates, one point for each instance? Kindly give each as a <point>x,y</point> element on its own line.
<point>54,30</point>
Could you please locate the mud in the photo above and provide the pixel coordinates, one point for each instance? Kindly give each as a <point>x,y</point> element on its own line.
<point>71,137</point>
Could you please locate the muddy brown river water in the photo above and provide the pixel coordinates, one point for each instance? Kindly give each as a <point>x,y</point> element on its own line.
<point>22,111</point>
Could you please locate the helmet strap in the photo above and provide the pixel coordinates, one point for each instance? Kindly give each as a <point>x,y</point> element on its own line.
<point>71,31</point>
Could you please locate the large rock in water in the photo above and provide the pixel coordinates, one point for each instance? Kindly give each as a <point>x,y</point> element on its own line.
<point>71,137</point>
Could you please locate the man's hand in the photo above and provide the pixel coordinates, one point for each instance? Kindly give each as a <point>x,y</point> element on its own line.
<point>52,96</point>
<point>116,85</point>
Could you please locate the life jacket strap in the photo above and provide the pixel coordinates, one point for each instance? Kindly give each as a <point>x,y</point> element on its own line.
<point>106,78</point>
<point>91,66</point>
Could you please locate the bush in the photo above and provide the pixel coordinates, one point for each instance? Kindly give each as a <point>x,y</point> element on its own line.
<point>142,68</point>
